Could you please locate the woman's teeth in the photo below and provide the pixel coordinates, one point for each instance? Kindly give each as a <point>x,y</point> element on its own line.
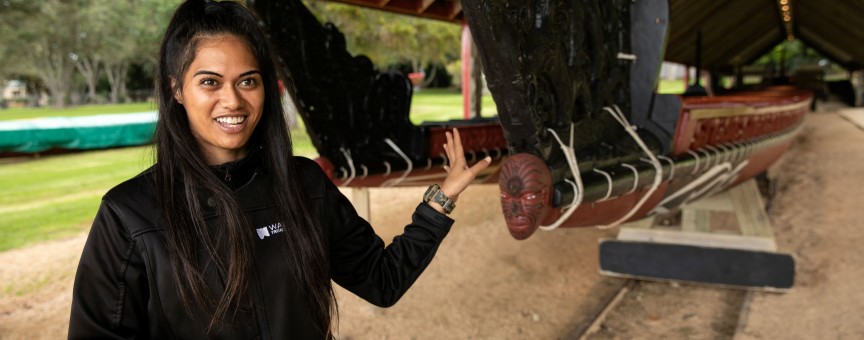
<point>231,120</point>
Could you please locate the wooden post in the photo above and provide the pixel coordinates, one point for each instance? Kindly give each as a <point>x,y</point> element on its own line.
<point>472,78</point>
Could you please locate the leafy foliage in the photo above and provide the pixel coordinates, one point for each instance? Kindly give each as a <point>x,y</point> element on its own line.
<point>66,47</point>
<point>50,39</point>
<point>389,38</point>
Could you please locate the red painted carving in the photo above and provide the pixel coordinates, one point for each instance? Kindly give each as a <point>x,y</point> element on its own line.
<point>526,192</point>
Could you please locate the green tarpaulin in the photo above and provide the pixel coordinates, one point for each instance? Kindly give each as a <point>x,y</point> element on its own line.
<point>89,132</point>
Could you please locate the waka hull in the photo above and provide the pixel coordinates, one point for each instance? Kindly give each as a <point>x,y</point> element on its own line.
<point>692,173</point>
<point>559,71</point>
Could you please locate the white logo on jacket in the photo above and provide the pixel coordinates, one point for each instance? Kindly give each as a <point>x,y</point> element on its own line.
<point>269,230</point>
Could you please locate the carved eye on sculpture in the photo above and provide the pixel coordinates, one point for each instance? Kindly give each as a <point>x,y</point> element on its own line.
<point>531,196</point>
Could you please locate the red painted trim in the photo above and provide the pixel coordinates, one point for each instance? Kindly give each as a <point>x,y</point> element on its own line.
<point>696,134</point>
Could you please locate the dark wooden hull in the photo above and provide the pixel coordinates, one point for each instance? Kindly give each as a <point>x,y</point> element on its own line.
<point>556,69</point>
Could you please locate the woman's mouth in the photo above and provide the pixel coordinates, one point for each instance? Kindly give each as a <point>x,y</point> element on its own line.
<point>231,124</point>
<point>233,120</point>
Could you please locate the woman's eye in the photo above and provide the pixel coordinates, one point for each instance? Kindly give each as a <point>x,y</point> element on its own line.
<point>249,82</point>
<point>208,82</point>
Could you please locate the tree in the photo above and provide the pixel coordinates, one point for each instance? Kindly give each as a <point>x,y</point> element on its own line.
<point>788,55</point>
<point>120,33</point>
<point>53,38</point>
<point>39,39</point>
<point>389,38</point>
<point>88,48</point>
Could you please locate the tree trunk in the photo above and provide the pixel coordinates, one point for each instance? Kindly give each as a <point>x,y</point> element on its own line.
<point>428,79</point>
<point>89,69</point>
<point>116,73</point>
<point>56,73</point>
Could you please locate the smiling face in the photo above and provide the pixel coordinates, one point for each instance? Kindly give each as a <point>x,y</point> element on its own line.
<point>223,95</point>
<point>526,185</point>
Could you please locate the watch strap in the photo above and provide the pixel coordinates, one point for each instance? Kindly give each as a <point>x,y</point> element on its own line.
<point>434,194</point>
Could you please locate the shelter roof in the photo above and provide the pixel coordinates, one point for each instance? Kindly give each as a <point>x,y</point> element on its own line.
<point>734,32</point>
<point>447,10</point>
<point>740,31</point>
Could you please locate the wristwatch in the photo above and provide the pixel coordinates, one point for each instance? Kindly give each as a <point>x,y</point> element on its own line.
<point>434,194</point>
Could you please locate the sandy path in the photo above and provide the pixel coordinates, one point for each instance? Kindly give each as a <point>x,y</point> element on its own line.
<point>818,217</point>
<point>37,289</point>
<point>482,283</point>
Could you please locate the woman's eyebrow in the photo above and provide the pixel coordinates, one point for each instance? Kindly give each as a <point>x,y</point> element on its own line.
<point>247,73</point>
<point>207,73</point>
<point>220,76</point>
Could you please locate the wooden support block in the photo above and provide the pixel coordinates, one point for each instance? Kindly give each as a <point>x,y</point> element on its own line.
<point>724,240</point>
<point>360,200</point>
<point>732,268</point>
<point>734,219</point>
<point>854,116</point>
<point>750,210</point>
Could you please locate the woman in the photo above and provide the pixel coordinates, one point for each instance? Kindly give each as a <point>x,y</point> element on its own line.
<point>228,235</point>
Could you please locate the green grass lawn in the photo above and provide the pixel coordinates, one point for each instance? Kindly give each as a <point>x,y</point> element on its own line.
<point>84,110</point>
<point>57,196</point>
<point>442,105</point>
<point>671,87</point>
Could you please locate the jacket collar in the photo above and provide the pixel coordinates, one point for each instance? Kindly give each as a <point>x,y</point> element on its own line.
<point>237,173</point>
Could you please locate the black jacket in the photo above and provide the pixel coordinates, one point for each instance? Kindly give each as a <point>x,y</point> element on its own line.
<point>124,286</point>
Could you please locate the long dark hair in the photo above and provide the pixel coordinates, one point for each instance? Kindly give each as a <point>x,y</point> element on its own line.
<point>182,175</point>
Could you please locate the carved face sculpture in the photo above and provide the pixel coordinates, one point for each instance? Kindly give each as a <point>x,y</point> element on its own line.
<point>526,185</point>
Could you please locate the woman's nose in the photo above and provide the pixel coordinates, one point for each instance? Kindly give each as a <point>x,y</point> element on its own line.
<point>230,98</point>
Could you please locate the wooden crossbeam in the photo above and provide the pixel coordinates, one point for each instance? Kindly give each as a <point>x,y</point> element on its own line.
<point>455,9</point>
<point>422,5</point>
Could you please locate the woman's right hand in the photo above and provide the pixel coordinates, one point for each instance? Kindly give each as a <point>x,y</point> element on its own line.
<point>459,174</point>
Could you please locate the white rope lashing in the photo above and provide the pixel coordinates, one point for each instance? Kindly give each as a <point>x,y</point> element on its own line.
<point>608,180</point>
<point>726,152</point>
<point>695,157</point>
<point>728,178</point>
<point>573,163</point>
<point>635,178</point>
<point>716,152</point>
<point>347,154</point>
<point>627,56</point>
<point>407,160</point>
<point>697,182</point>
<point>658,168</point>
<point>707,158</point>
<point>387,166</point>
<point>671,165</point>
